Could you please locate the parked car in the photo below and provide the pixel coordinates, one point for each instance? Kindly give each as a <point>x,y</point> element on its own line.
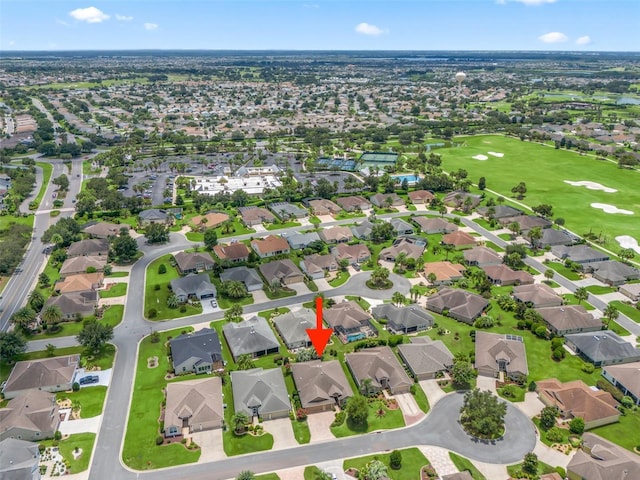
<point>89,380</point>
<point>214,303</point>
<point>357,267</point>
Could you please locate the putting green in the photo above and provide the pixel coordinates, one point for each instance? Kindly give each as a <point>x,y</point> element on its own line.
<point>544,170</point>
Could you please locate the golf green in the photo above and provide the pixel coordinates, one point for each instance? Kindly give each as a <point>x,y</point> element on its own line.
<point>544,171</point>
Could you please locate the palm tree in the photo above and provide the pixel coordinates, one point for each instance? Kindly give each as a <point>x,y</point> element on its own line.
<point>380,276</point>
<point>36,300</point>
<point>366,387</point>
<point>173,301</point>
<point>245,362</point>
<point>448,248</point>
<point>398,298</point>
<point>233,313</point>
<point>581,294</point>
<point>239,420</point>
<point>51,315</point>
<point>610,313</point>
<point>236,289</point>
<point>246,475</point>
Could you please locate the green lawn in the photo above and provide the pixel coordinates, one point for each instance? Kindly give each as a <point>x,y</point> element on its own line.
<point>519,396</point>
<point>274,294</point>
<point>570,299</point>
<point>412,461</point>
<point>543,469</point>
<point>112,316</point>
<point>301,431</point>
<point>6,220</point>
<point>600,290</point>
<point>628,310</point>
<point>117,274</point>
<point>116,290</point>
<point>268,476</point>
<point>493,247</point>
<point>545,183</point>
<point>47,169</point>
<point>543,434</point>
<point>140,451</point>
<point>313,473</point>
<point>341,278</point>
<point>280,225</point>
<point>157,299</point>
<point>619,329</point>
<point>90,399</point>
<point>268,313</point>
<point>390,419</point>
<point>83,441</point>
<point>624,432</point>
<point>463,464</point>
<point>420,398</point>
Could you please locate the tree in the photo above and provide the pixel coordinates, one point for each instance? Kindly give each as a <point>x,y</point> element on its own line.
<point>23,317</point>
<point>374,470</point>
<point>626,254</point>
<point>245,362</point>
<point>448,248</point>
<point>246,475</point>
<point>210,238</point>
<point>432,277</point>
<point>530,464</point>
<point>234,289</point>
<point>548,417</point>
<point>233,313</point>
<point>544,210</point>
<point>156,233</point>
<point>482,414</point>
<point>62,182</point>
<point>51,350</point>
<point>124,247</point>
<point>581,294</point>
<point>611,313</point>
<point>398,299</point>
<point>44,280</point>
<point>36,300</point>
<point>380,277</point>
<point>549,274</point>
<point>12,344</point>
<point>239,421</point>
<point>482,183</point>
<point>514,227</point>
<point>535,234</point>
<point>462,372</point>
<point>366,387</point>
<point>357,410</point>
<point>51,315</point>
<point>94,335</point>
<point>395,459</point>
<point>519,190</point>
<point>576,425</point>
<point>173,301</point>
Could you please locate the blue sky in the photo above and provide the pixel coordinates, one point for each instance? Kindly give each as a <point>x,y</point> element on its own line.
<point>605,25</point>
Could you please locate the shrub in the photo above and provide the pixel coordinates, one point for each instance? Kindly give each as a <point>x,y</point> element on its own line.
<point>156,287</point>
<point>395,460</point>
<point>576,425</point>
<point>301,414</point>
<point>561,471</point>
<point>558,354</point>
<point>509,391</point>
<point>602,384</point>
<point>183,309</point>
<point>627,402</point>
<point>159,440</point>
<point>75,387</point>
<point>557,342</point>
<point>588,368</point>
<point>532,386</point>
<point>395,340</point>
<point>340,418</point>
<point>152,313</point>
<point>554,434</point>
<point>162,269</point>
<point>541,331</point>
<point>57,435</point>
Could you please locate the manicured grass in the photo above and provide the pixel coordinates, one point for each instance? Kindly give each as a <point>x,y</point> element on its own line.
<point>278,226</point>
<point>268,476</point>
<point>84,441</point>
<point>485,224</point>
<point>274,294</point>
<point>360,301</point>
<point>505,236</point>
<point>313,473</point>
<point>543,468</point>
<point>47,169</point>
<point>345,215</point>
<point>91,400</point>
<point>412,461</point>
<point>6,220</point>
<point>570,299</point>
<point>628,310</point>
<point>315,220</point>
<point>140,451</point>
<point>519,395</point>
<point>340,279</point>
<point>116,290</point>
<point>268,313</point>
<point>543,434</point>
<point>420,397</point>
<point>195,236</point>
<point>117,274</point>
<point>493,247</point>
<point>112,316</point>
<point>624,432</point>
<point>157,299</point>
<point>463,464</point>
<point>545,183</point>
<point>301,431</point>
<point>390,419</point>
<point>619,329</point>
<point>600,290</point>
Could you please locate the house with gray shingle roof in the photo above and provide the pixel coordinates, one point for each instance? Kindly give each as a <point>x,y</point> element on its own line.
<point>153,215</point>
<point>613,272</point>
<point>193,262</point>
<point>259,392</point>
<point>336,234</point>
<point>567,319</point>
<point>286,210</point>
<point>631,290</point>
<point>353,203</point>
<point>462,305</point>
<point>400,227</point>
<point>403,320</point>
<point>363,230</point>
<point>298,241</point>
<point>537,295</point>
<point>32,415</point>
<point>380,200</point>
<point>72,304</point>
<point>482,256</point>
<point>250,337</point>
<point>581,254</point>
<point>434,225</point>
<point>81,264</point>
<point>357,253</point>
<point>292,327</point>
<point>321,385</point>
<point>425,357</point>
<point>602,348</point>
<point>626,377</point>
<point>197,352</point>
<point>192,285</point>
<point>92,247</point>
<point>248,276</point>
<point>600,459</point>
<point>281,272</point>
<point>551,238</point>
<point>20,460</point>
<point>499,211</point>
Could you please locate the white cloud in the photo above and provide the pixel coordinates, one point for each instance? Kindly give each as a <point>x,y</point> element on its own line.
<point>367,29</point>
<point>123,18</point>
<point>89,15</point>
<point>553,37</point>
<point>151,26</point>
<point>584,40</point>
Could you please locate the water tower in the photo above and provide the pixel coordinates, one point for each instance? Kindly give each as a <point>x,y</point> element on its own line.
<point>460,76</point>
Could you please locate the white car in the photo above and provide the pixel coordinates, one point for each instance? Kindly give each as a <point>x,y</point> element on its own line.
<point>214,303</point>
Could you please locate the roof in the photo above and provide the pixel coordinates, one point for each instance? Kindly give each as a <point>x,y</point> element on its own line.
<point>18,458</point>
<point>279,270</point>
<point>604,346</point>
<point>492,347</point>
<point>424,355</point>
<point>82,302</point>
<point>458,238</point>
<point>193,284</point>
<point>627,374</point>
<point>407,317</point>
<point>286,208</point>
<point>420,195</point>
<point>600,459</point>
<point>459,196</point>
<point>198,400</point>
<point>33,410</point>
<point>234,251</point>
<point>270,244</point>
<point>256,213</point>
<point>400,225</point>
<point>363,229</point>
<point>482,255</point>
<point>527,222</point>
<point>249,336</point>
<point>81,264</point>
<point>104,229</point>
<point>324,204</point>
<point>578,399</point>
<point>354,201</point>
<point>380,199</point>
<point>336,234</point>
<point>88,247</point>
<point>248,276</point>
<point>213,219</point>
<point>579,253</point>
<point>293,325</point>
<point>569,317</point>
<point>536,294</point>
<point>444,271</point>
<point>42,373</point>
<point>378,363</point>
<point>503,273</point>
<point>499,211</point>
<point>351,252</point>
<point>153,214</point>
<point>460,302</point>
<point>551,236</point>
<point>318,263</point>
<point>259,388</point>
<point>403,245</point>
<point>346,314</point>
<point>189,260</point>
<point>614,271</point>
<point>79,282</point>
<point>435,224</point>
<point>203,345</point>
<point>303,239</point>
<point>319,382</point>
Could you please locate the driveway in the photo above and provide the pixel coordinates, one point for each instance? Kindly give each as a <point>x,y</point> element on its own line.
<point>82,425</point>
<point>319,426</point>
<point>207,308</point>
<point>410,410</point>
<point>210,442</point>
<point>259,296</point>
<point>300,288</point>
<point>486,383</point>
<point>323,285</point>
<point>433,392</point>
<point>439,458</point>
<point>531,406</point>
<point>104,375</point>
<point>282,432</point>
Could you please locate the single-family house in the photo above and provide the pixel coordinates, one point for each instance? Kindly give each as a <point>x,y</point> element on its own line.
<point>625,377</point>
<point>482,256</point>
<point>255,216</point>
<point>357,253</point>
<point>602,348</point>
<point>193,406</point>
<point>576,399</point>
<point>411,248</point>
<point>198,352</point>
<point>551,238</point>
<point>233,253</point>
<point>459,304</point>
<point>434,225</point>
<point>581,254</point>
<point>32,415</point>
<point>497,353</point>
<point>20,460</point>
<point>298,241</point>
<point>567,319</point>
<point>381,200</point>
<point>80,282</point>
<point>322,206</point>
<point>457,199</point>
<point>631,290</point>
<point>71,305</point>
<point>270,246</point>
<point>250,337</point>
<point>354,203</point>
<point>281,272</point>
<point>336,234</point>
<point>315,266</point>
<point>321,385</point>
<point>600,459</point>
<point>403,320</point>
<point>286,210</point>
<point>420,197</point>
<point>154,215</point>
<point>537,295</point>
<point>193,285</point>
<point>400,227</point>
<point>445,272</point>
<point>209,220</point>
<point>104,229</point>
<point>503,275</point>
<point>362,230</point>
<point>459,239</point>
<point>260,393</point>
<point>380,365</point>
<point>193,262</point>
<point>292,327</point>
<point>74,265</point>
<point>527,222</point>
<point>613,272</point>
<point>425,357</point>
<point>498,211</point>
<point>349,321</point>
<point>54,374</point>
<point>248,276</point>
<point>91,247</point>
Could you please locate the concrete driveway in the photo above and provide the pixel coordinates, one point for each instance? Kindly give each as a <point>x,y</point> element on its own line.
<point>259,296</point>
<point>486,383</point>
<point>431,389</point>
<point>207,308</point>
<point>82,425</point>
<point>104,375</point>
<point>531,406</point>
<point>282,432</point>
<point>210,442</point>
<point>319,426</point>
<point>410,410</point>
<point>300,288</point>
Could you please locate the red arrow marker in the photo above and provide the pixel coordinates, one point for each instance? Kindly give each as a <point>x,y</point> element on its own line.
<point>319,336</point>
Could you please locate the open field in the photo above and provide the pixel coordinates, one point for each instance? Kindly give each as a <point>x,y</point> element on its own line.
<point>545,183</point>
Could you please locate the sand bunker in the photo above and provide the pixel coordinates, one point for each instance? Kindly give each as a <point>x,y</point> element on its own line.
<point>480,157</point>
<point>627,241</point>
<point>496,154</point>
<point>611,208</point>
<point>591,186</point>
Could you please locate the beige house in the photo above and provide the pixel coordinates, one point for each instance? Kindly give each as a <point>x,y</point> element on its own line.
<point>569,319</point>
<point>193,262</point>
<point>32,416</point>
<point>537,295</point>
<point>235,252</point>
<point>54,374</point>
<point>324,207</point>
<point>349,321</point>
<point>600,459</point>
<point>500,354</point>
<point>209,220</point>
<point>626,377</point>
<point>381,366</point>
<point>256,215</point>
<point>105,229</point>
<point>357,253</point>
<point>336,235</point>
<point>407,246</point>
<point>459,239</point>
<point>270,246</point>
<point>80,282</point>
<point>420,197</point>
<point>425,357</point>
<point>193,406</point>
<point>72,266</point>
<point>281,272</point>
<point>445,272</point>
<point>321,385</point>
<point>353,203</point>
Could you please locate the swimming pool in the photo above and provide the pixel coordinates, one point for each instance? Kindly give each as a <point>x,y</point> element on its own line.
<point>409,178</point>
